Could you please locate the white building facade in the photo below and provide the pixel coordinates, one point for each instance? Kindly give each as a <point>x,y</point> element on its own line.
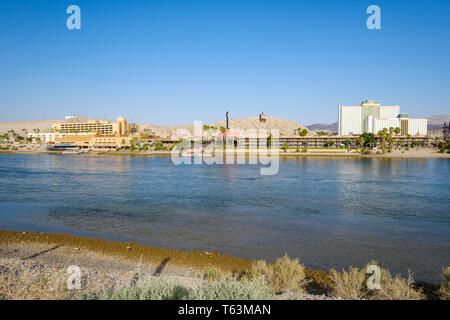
<point>349,120</point>
<point>45,137</point>
<point>372,117</point>
<point>381,123</point>
<point>417,127</point>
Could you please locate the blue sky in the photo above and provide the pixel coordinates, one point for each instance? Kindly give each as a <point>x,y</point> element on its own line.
<point>173,62</point>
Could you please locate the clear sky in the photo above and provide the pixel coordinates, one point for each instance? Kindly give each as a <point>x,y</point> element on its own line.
<point>173,62</point>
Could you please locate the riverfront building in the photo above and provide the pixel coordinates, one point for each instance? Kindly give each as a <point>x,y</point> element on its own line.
<point>103,135</point>
<point>102,126</point>
<point>372,117</point>
<point>45,137</point>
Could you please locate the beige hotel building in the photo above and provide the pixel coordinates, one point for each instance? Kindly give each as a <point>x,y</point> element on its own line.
<point>104,134</point>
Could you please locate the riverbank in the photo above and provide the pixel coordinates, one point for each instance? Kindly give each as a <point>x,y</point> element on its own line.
<point>116,263</point>
<point>417,154</point>
<point>108,265</point>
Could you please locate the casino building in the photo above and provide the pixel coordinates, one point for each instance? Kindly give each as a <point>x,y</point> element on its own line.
<point>372,117</point>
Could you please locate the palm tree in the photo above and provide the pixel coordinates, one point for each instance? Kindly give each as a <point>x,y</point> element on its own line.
<point>269,140</point>
<point>383,135</point>
<point>436,141</point>
<point>360,141</point>
<point>408,139</point>
<point>390,139</point>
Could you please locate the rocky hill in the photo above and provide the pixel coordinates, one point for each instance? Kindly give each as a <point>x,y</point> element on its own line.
<point>285,126</point>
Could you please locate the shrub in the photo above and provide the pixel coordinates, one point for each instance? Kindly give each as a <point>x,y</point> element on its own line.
<point>146,289</point>
<point>231,289</point>
<point>398,288</point>
<point>284,275</point>
<point>353,285</point>
<point>348,285</point>
<point>159,146</point>
<point>156,289</point>
<point>214,274</point>
<point>444,290</point>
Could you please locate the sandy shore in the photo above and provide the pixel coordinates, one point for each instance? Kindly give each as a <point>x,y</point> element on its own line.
<point>131,252</point>
<point>60,250</point>
<point>111,264</point>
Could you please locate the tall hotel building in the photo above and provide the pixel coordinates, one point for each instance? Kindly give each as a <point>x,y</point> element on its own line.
<point>372,117</point>
<point>101,126</point>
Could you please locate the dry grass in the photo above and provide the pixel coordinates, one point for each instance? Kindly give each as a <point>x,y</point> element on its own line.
<point>352,284</point>
<point>398,288</point>
<point>444,290</point>
<point>349,285</point>
<point>24,281</point>
<point>27,280</point>
<point>216,274</point>
<point>284,275</point>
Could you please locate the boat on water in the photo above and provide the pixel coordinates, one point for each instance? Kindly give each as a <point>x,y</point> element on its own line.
<point>72,152</point>
<point>75,151</point>
<point>67,148</point>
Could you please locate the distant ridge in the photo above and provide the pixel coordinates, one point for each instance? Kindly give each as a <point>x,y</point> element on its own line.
<point>329,127</point>
<point>42,125</point>
<point>285,126</point>
<point>437,121</point>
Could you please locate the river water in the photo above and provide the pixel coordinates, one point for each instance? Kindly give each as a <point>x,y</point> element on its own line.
<point>329,212</point>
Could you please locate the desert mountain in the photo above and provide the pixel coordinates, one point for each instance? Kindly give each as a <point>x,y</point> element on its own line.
<point>437,121</point>
<point>329,127</point>
<point>285,126</point>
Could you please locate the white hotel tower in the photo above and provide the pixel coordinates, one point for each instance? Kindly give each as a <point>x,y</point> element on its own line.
<point>372,117</point>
